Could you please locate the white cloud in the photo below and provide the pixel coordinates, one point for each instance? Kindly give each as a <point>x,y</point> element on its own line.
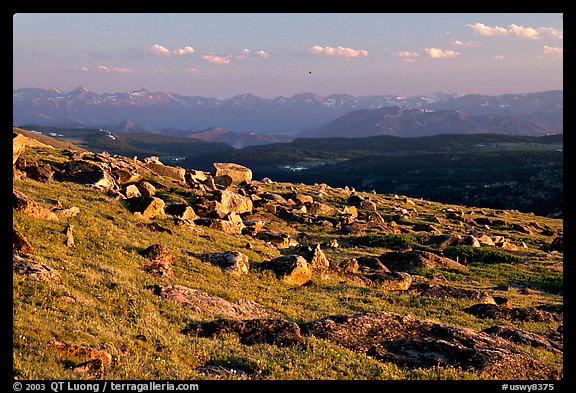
<point>159,50</point>
<point>217,59</point>
<point>337,51</point>
<point>262,54</point>
<point>187,50</point>
<point>192,70</point>
<point>482,29</point>
<point>515,30</point>
<point>552,32</point>
<point>102,69</point>
<point>553,51</point>
<point>465,43</point>
<point>521,31</point>
<point>436,53</point>
<point>409,57</point>
<point>499,57</point>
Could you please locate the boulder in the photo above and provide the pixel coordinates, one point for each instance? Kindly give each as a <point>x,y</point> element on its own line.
<point>229,261</point>
<point>279,332</point>
<point>88,173</point>
<point>35,271</point>
<point>131,191</point>
<point>223,181</point>
<point>213,306</point>
<point>367,204</point>
<point>39,173</point>
<point>20,244</point>
<point>176,173</point>
<point>524,337</point>
<point>302,199</point>
<point>390,281</point>
<point>233,202</point>
<point>24,204</point>
<point>146,189</point>
<point>231,225</point>
<point>556,245</point>
<point>280,240</point>
<point>145,206</point>
<point>314,254</point>
<point>195,177</point>
<point>292,269</point>
<point>181,210</point>
<point>415,343</point>
<point>69,235</point>
<point>18,147</point>
<point>237,172</point>
<point>371,264</point>
<point>321,209</point>
<point>66,213</point>
<point>82,351</point>
<point>411,260</point>
<point>160,263</point>
<point>442,291</point>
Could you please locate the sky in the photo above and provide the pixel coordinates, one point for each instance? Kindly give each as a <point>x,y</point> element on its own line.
<point>222,55</point>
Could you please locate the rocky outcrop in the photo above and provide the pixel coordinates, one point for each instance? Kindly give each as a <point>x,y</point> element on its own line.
<point>316,258</point>
<point>24,204</point>
<point>229,261</point>
<point>215,306</point>
<point>181,210</point>
<point>145,207</point>
<point>233,202</point>
<point>520,336</point>
<point>35,271</point>
<point>390,281</point>
<point>292,269</point>
<point>237,172</point>
<point>442,291</point>
<point>20,244</point>
<point>88,173</point>
<point>176,173</point>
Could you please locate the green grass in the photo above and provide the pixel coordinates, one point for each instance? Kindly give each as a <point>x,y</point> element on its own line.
<point>104,301</point>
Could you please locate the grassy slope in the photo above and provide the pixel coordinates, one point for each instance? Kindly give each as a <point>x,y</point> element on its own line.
<point>113,310</point>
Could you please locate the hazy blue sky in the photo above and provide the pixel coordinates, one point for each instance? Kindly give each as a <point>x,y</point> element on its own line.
<point>270,55</point>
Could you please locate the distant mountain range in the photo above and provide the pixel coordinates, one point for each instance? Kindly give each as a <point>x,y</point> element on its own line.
<point>414,122</point>
<point>155,111</point>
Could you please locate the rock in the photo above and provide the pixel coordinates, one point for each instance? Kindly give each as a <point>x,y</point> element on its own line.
<point>66,213</point>
<point>87,173</point>
<point>229,261</point>
<point>520,336</point>
<point>146,189</point>
<point>351,265</point>
<point>411,260</point>
<point>390,281</point>
<point>158,251</point>
<point>181,210</point>
<point>321,209</point>
<point>35,271</point>
<point>521,228</point>
<point>367,204</point>
<point>131,191</point>
<point>470,240</point>
<point>445,240</point>
<point>253,227</point>
<point>146,206</point>
<point>233,225</point>
<point>20,244</point>
<point>233,202</point>
<point>39,173</point>
<point>24,204</point>
<point>93,366</point>
<point>314,254</point>
<point>223,181</point>
<point>124,176</point>
<point>302,199</point>
<point>354,200</point>
<point>494,311</point>
<point>414,343</point>
<point>485,240</point>
<point>368,264</point>
<point>279,332</point>
<point>292,269</point>
<point>213,306</point>
<point>82,351</point>
<point>280,240</point>
<point>267,180</point>
<point>18,147</point>
<point>161,259</point>
<point>556,245</point>
<point>176,173</point>
<point>237,172</point>
<point>503,301</point>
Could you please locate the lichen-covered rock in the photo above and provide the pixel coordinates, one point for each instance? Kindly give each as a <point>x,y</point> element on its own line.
<point>292,269</point>
<point>229,261</point>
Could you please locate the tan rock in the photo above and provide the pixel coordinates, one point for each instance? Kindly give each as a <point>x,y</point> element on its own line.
<point>237,172</point>
<point>292,269</point>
